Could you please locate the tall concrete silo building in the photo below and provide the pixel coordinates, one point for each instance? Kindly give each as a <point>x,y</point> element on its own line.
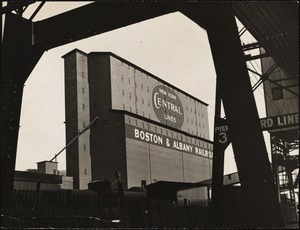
<point>147,129</point>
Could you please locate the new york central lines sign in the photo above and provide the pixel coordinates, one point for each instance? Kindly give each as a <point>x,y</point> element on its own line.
<point>167,106</point>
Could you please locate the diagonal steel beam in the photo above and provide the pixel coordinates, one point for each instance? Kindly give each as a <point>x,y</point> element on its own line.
<point>250,152</point>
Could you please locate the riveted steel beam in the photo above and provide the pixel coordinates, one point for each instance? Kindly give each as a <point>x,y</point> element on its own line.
<point>250,152</point>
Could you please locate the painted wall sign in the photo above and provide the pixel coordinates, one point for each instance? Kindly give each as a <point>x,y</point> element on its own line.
<point>139,134</point>
<point>279,122</point>
<point>167,106</point>
<point>275,123</point>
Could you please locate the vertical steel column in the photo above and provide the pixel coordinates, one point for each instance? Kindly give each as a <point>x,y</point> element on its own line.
<point>19,59</point>
<point>250,152</point>
<point>274,152</point>
<point>218,164</point>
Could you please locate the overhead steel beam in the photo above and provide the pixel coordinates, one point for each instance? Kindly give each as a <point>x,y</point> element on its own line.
<point>101,17</point>
<point>15,5</point>
<point>95,18</point>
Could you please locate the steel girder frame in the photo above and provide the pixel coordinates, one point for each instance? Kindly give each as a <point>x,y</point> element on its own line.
<point>262,205</point>
<point>19,58</point>
<point>24,42</point>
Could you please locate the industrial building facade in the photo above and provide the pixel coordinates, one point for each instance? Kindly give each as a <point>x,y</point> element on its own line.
<point>147,129</point>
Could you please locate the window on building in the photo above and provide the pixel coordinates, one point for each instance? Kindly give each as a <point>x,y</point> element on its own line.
<point>85,172</point>
<point>122,78</point>
<point>123,93</point>
<point>124,106</point>
<point>83,106</point>
<point>83,124</point>
<point>129,95</point>
<point>84,147</point>
<point>147,89</point>
<point>277,93</point>
<point>142,100</point>
<point>82,90</point>
<point>82,74</point>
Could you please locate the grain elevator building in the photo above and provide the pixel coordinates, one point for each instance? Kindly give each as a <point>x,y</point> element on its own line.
<point>147,129</point>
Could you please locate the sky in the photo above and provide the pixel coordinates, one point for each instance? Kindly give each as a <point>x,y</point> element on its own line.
<point>172,47</point>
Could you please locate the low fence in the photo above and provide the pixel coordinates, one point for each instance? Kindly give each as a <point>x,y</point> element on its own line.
<point>88,209</point>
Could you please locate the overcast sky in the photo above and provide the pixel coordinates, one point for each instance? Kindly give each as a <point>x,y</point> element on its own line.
<point>172,47</point>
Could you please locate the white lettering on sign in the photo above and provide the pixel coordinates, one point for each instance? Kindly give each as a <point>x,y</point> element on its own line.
<point>288,120</point>
<point>159,102</point>
<point>167,106</point>
<point>266,123</point>
<point>165,141</point>
<point>182,146</point>
<point>270,123</point>
<point>221,128</point>
<point>149,137</point>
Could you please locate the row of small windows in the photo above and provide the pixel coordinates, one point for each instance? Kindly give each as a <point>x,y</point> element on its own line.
<point>142,86</point>
<point>135,70</point>
<point>136,100</point>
